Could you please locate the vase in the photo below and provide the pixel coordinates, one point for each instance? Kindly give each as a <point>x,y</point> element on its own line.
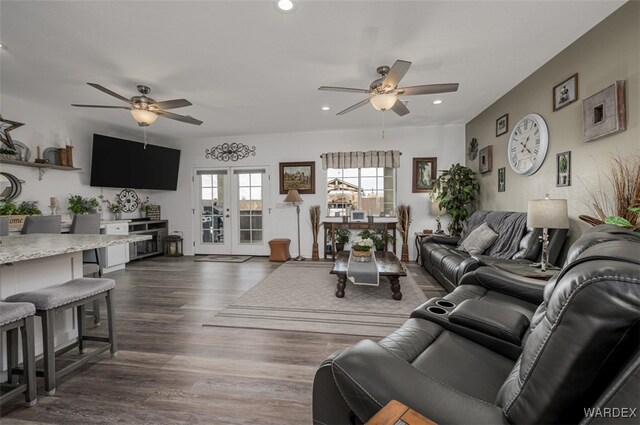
<point>361,256</point>
<point>143,214</point>
<point>314,252</point>
<point>405,253</point>
<point>117,216</point>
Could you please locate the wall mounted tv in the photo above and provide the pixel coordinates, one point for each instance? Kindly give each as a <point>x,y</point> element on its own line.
<point>127,164</point>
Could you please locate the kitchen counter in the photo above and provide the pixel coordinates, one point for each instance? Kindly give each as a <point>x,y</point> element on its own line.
<point>28,247</point>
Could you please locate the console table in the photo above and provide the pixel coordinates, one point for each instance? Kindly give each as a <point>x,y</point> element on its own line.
<point>385,226</point>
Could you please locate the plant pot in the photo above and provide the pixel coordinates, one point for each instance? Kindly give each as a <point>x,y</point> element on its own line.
<point>339,247</point>
<point>314,252</point>
<point>405,253</point>
<point>117,216</point>
<point>143,214</point>
<point>361,256</point>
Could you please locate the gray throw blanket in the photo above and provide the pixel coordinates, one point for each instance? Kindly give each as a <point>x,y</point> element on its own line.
<point>510,226</point>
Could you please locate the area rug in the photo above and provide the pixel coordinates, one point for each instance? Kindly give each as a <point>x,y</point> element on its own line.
<point>301,297</point>
<point>222,258</point>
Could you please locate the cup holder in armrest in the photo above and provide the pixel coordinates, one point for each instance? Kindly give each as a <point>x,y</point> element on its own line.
<point>436,310</point>
<point>445,303</point>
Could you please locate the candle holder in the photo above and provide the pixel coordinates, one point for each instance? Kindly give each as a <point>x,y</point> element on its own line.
<point>54,209</point>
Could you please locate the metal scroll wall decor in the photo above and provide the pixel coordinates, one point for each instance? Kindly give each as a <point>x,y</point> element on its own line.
<point>129,200</point>
<point>230,152</point>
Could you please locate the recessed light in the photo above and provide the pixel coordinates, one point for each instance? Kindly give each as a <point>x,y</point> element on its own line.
<point>437,102</point>
<point>325,108</point>
<point>286,6</point>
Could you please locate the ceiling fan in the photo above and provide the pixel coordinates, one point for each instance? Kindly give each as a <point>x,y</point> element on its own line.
<point>144,109</point>
<point>384,91</point>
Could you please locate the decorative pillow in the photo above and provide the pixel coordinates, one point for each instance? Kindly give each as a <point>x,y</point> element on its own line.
<point>479,240</point>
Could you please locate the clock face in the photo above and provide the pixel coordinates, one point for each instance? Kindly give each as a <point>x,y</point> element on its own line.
<point>528,145</point>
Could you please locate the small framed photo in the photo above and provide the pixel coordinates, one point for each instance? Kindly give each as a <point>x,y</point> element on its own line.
<point>357,216</point>
<point>502,125</point>
<point>501,177</point>
<point>486,159</point>
<point>563,169</point>
<point>565,93</point>
<point>298,175</point>
<point>424,174</point>
<point>605,112</point>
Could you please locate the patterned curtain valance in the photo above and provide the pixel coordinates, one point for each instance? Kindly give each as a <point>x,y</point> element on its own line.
<point>369,159</point>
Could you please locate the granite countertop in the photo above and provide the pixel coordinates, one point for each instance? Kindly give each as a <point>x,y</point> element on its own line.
<point>28,247</point>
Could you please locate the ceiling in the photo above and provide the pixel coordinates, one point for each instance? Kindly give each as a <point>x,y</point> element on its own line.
<point>249,69</point>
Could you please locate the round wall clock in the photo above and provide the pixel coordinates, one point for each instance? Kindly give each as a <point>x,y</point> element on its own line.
<point>528,145</point>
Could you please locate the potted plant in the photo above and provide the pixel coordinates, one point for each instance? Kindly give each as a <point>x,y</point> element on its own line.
<point>342,237</point>
<point>16,214</point>
<point>314,216</point>
<point>114,207</point>
<point>361,249</point>
<point>81,205</point>
<point>145,208</point>
<point>455,190</point>
<point>404,221</point>
<point>29,208</point>
<point>377,236</point>
<point>7,153</point>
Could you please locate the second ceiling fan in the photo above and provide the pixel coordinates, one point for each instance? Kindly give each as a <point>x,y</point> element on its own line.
<point>384,91</point>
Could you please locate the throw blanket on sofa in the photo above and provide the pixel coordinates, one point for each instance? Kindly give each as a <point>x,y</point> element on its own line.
<point>510,226</point>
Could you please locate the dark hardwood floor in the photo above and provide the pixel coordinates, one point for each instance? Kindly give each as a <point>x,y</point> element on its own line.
<point>172,370</point>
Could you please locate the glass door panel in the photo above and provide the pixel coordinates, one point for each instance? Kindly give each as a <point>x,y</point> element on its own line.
<point>212,188</point>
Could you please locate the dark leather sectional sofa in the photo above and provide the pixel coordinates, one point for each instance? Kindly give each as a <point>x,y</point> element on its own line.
<point>443,260</point>
<point>506,350</point>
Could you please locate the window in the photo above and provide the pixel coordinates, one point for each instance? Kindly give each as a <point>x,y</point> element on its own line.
<point>250,207</point>
<point>371,190</point>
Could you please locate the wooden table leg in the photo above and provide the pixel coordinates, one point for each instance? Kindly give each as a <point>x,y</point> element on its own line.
<point>342,283</point>
<point>395,287</point>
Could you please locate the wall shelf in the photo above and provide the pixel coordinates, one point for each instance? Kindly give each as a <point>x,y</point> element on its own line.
<point>41,167</point>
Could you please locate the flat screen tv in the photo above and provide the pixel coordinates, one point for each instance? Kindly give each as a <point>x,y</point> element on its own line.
<point>123,163</point>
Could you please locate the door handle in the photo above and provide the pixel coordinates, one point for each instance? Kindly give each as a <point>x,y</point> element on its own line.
<point>227,215</point>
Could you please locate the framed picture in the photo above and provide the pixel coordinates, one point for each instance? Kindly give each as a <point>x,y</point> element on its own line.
<point>486,159</point>
<point>424,174</point>
<point>501,182</point>
<point>298,175</point>
<point>565,93</point>
<point>563,169</point>
<point>502,125</point>
<point>605,112</point>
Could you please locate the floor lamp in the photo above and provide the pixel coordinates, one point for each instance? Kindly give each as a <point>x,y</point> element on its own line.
<point>547,214</point>
<point>294,198</point>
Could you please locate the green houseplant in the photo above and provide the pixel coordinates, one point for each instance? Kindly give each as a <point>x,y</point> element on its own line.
<point>455,190</point>
<point>145,207</point>
<point>342,238</point>
<point>377,236</point>
<point>81,205</point>
<point>29,208</point>
<point>114,207</point>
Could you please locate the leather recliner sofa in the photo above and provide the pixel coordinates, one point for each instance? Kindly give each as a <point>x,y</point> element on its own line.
<point>578,351</point>
<point>447,264</point>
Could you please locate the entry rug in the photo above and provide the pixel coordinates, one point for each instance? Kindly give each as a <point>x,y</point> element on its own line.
<point>301,297</point>
<point>222,258</point>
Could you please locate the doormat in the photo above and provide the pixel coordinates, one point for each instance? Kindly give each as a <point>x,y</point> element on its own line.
<point>222,258</point>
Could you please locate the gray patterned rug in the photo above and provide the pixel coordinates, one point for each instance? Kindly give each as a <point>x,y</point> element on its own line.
<point>300,297</point>
<point>222,258</point>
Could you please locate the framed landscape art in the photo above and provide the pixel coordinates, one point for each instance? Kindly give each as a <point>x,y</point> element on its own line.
<point>424,174</point>
<point>298,175</point>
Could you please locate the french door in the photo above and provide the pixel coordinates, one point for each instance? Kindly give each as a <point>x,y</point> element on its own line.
<point>231,213</point>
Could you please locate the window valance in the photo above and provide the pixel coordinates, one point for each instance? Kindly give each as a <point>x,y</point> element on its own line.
<point>369,159</point>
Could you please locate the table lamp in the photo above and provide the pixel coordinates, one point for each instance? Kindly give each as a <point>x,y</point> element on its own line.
<point>438,212</point>
<point>547,214</point>
<point>293,197</point>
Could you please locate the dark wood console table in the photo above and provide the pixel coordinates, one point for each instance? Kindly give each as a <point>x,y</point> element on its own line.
<point>385,226</point>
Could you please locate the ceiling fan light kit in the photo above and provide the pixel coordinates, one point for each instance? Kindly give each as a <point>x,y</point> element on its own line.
<point>383,102</point>
<point>143,117</point>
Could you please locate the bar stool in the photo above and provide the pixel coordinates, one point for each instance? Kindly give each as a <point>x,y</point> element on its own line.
<point>72,294</point>
<point>4,226</point>
<point>14,317</point>
<point>89,224</point>
<point>42,224</point>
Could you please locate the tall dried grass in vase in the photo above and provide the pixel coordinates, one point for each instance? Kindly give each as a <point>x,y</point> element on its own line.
<point>314,216</point>
<point>404,221</point>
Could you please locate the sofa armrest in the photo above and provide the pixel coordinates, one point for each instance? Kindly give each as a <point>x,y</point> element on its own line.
<point>445,240</point>
<point>530,290</point>
<point>491,319</point>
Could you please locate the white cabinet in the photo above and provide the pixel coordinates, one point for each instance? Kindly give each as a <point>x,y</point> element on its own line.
<point>115,257</point>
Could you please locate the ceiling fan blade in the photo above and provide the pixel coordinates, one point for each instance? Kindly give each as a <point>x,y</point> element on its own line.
<point>400,108</point>
<point>428,89</point>
<point>100,106</point>
<point>173,104</point>
<point>352,107</point>
<point>109,92</point>
<point>183,118</point>
<point>398,70</point>
<point>347,89</point>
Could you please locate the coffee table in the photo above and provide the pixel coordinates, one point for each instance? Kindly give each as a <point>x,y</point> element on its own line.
<point>388,266</point>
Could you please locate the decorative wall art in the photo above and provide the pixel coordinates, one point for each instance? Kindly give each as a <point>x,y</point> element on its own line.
<point>230,152</point>
<point>424,174</point>
<point>565,93</point>
<point>486,159</point>
<point>5,127</point>
<point>472,150</point>
<point>298,175</point>
<point>605,112</point>
<point>501,179</point>
<point>129,200</point>
<point>563,169</point>
<point>502,125</point>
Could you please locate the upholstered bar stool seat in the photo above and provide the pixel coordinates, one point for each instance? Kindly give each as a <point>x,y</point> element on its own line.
<point>279,249</point>
<point>72,294</point>
<point>14,317</point>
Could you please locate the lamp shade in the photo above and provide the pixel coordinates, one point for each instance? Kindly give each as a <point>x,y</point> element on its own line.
<point>144,116</point>
<point>382,102</point>
<point>435,210</point>
<point>293,196</point>
<point>548,213</point>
